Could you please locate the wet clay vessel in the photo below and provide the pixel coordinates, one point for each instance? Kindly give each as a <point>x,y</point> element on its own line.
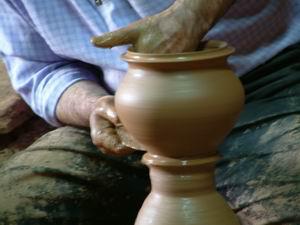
<point>179,108</point>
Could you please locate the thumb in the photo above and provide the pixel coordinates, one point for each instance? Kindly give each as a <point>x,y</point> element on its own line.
<point>124,36</point>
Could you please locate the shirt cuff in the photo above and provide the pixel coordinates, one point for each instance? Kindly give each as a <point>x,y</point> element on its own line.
<point>57,87</point>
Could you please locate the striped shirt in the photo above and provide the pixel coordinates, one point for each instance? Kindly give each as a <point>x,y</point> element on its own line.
<point>46,44</point>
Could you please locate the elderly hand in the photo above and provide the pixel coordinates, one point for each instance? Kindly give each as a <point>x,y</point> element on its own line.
<point>177,29</point>
<point>103,123</point>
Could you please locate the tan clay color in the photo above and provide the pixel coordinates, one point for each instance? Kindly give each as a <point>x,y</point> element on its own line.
<point>183,194</point>
<point>180,105</point>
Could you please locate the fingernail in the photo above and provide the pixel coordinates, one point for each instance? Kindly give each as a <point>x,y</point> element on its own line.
<point>94,41</point>
<point>119,124</point>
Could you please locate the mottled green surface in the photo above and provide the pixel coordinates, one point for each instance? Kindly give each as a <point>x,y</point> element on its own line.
<point>260,172</point>
<point>260,175</point>
<point>63,179</point>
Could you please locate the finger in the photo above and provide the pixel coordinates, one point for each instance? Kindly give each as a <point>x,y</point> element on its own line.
<point>128,140</point>
<point>109,143</point>
<point>124,36</point>
<point>107,140</point>
<point>107,109</point>
<point>105,137</point>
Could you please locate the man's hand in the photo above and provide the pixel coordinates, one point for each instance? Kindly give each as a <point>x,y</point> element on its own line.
<point>103,123</point>
<point>180,28</point>
<point>86,104</point>
<point>161,33</point>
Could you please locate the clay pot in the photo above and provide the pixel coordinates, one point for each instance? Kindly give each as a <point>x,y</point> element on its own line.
<point>183,193</point>
<point>180,105</point>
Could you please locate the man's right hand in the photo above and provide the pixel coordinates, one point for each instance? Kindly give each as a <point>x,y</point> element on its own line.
<point>180,28</point>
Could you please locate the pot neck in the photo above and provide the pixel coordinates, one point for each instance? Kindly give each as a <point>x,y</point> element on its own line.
<point>181,176</point>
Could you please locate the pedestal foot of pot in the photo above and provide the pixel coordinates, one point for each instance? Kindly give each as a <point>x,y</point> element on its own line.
<point>183,193</point>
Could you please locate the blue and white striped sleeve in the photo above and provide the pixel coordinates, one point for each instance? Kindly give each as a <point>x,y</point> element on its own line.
<point>36,73</point>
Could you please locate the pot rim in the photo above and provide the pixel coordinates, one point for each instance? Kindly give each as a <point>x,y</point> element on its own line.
<point>211,49</point>
<point>163,161</point>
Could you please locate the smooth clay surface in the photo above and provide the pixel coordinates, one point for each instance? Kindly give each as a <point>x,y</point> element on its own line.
<point>180,105</point>
<point>183,193</point>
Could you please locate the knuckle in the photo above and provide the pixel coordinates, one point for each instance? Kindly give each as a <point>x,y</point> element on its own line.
<point>97,142</point>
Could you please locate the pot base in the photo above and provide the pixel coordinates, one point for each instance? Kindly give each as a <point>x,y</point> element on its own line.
<point>183,193</point>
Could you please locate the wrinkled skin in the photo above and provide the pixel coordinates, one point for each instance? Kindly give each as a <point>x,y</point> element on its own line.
<point>166,32</point>
<point>103,123</point>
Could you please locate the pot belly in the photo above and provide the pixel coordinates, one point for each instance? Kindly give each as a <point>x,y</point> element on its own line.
<point>179,114</point>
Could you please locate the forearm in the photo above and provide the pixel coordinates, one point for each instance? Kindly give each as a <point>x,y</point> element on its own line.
<point>206,11</point>
<point>77,102</point>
